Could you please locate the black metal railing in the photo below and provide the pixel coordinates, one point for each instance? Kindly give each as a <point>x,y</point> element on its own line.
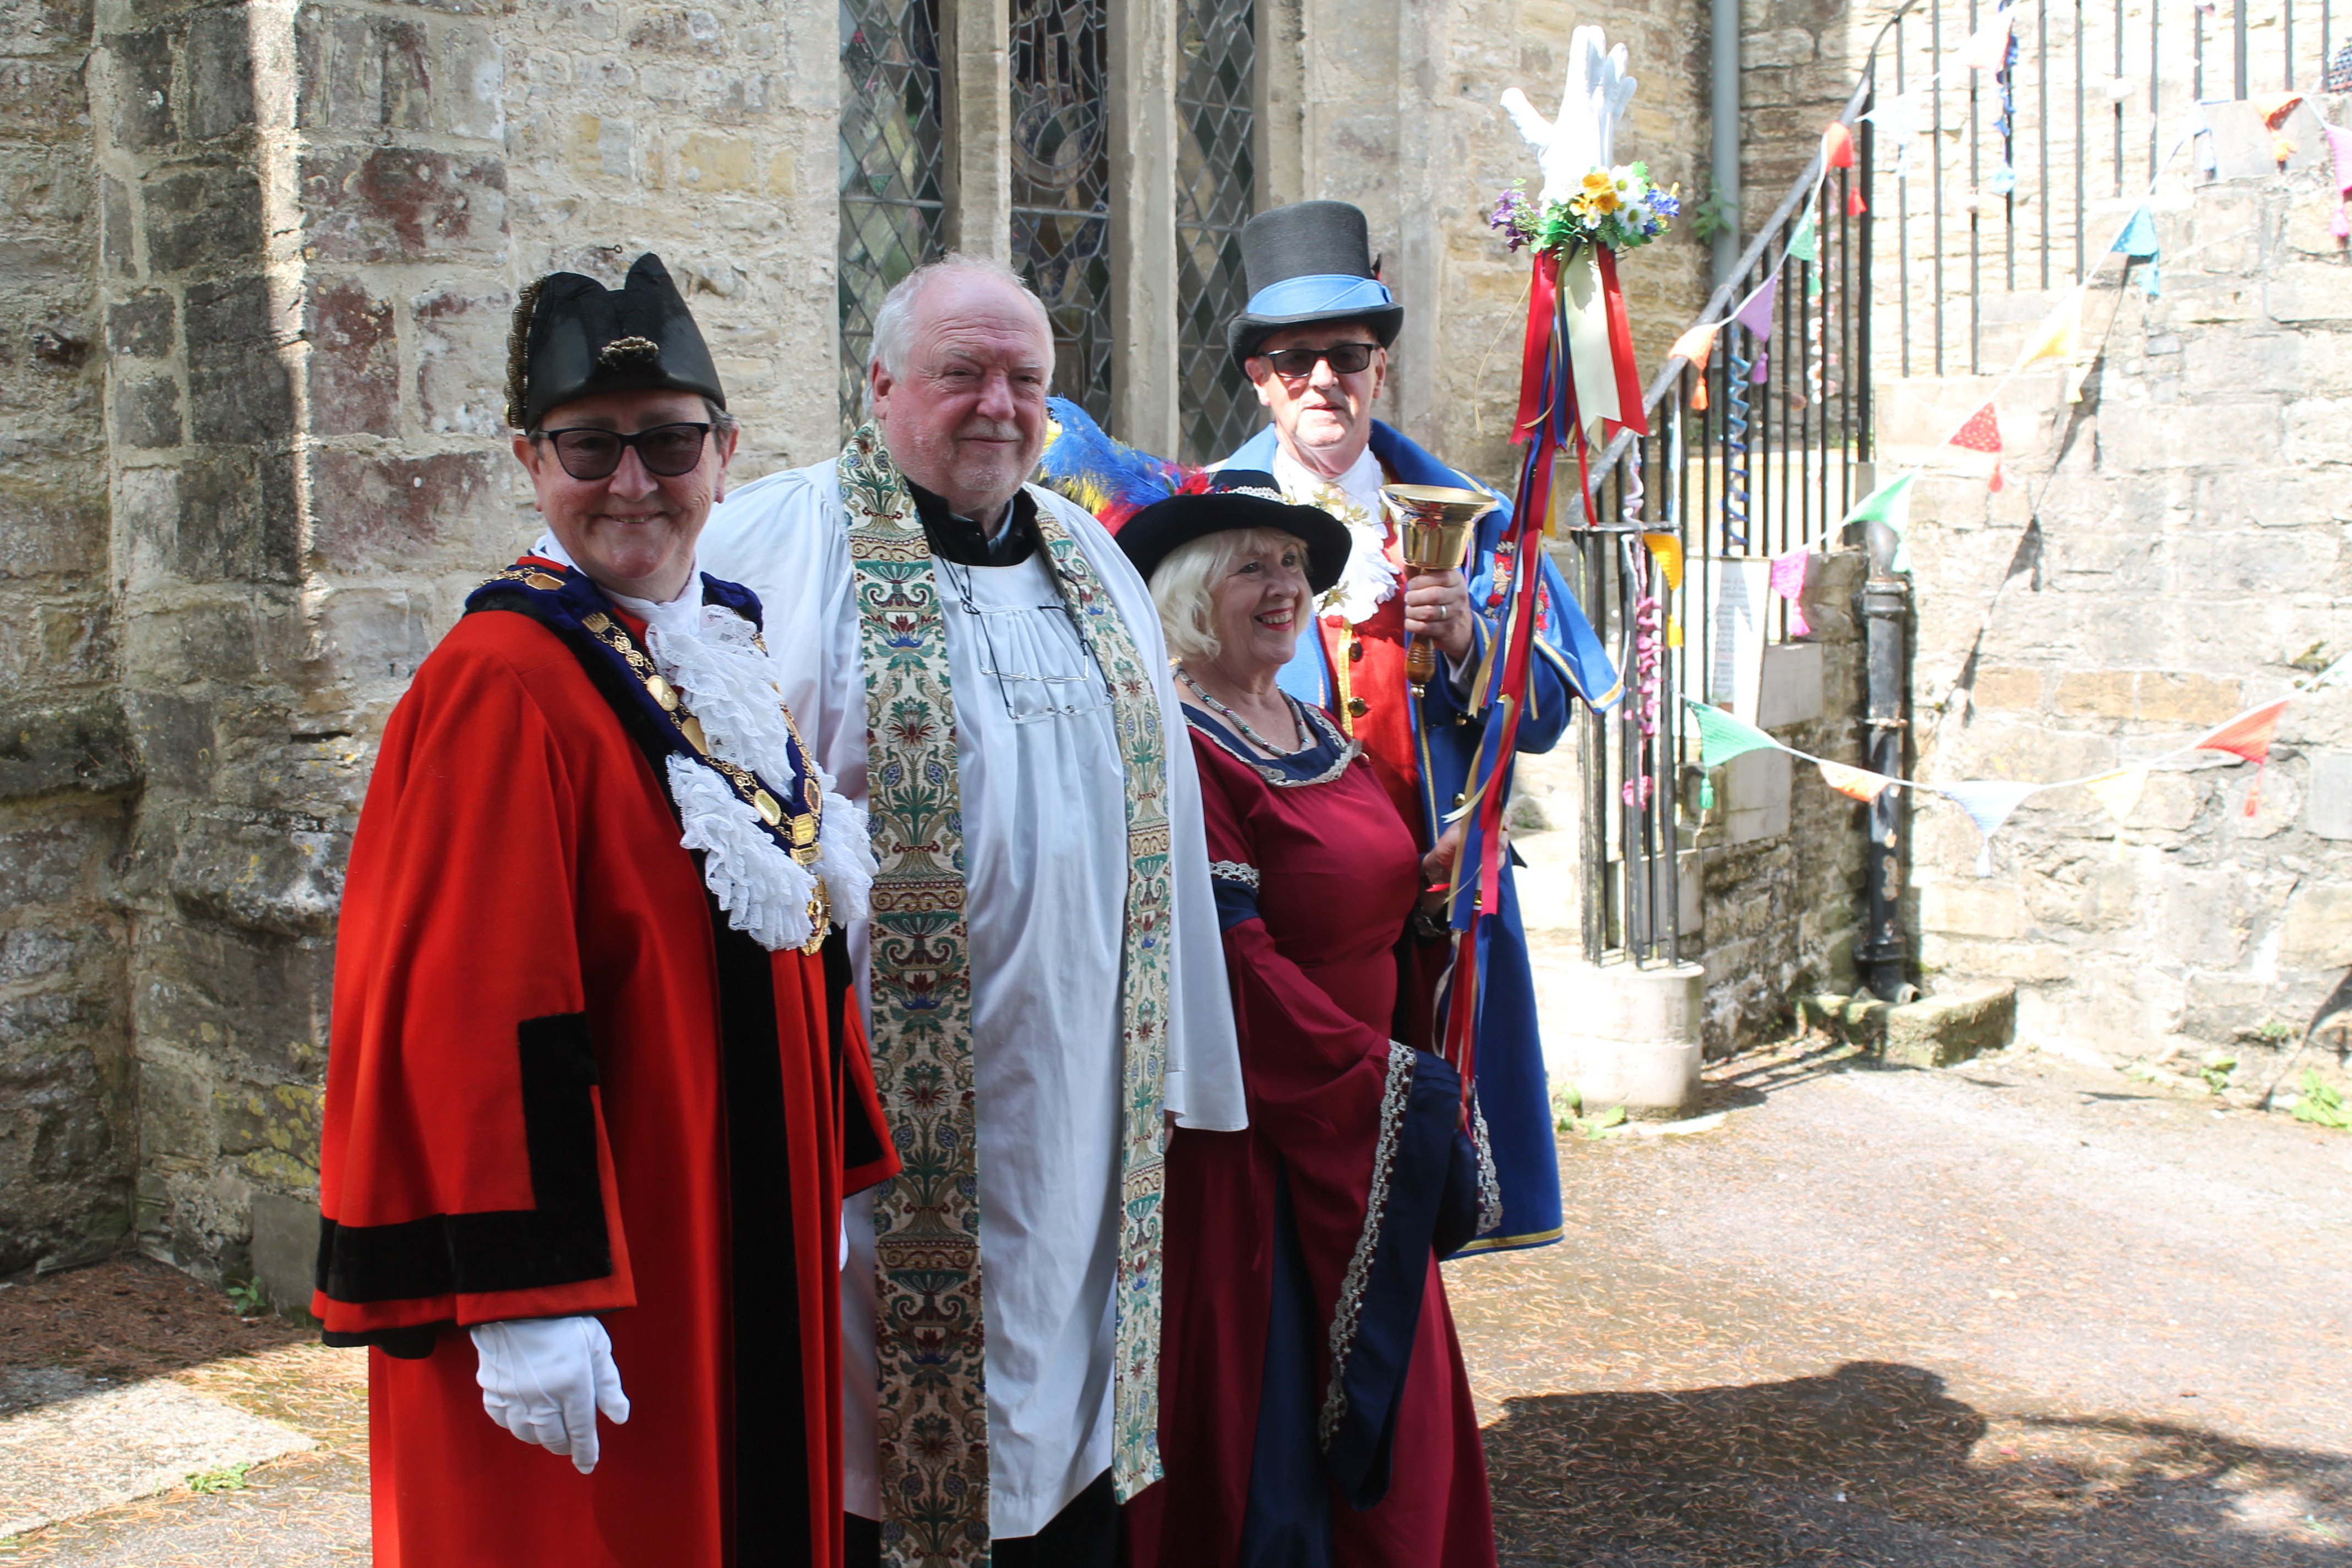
<point>1772,460</point>
<point>2017,173</point>
<point>1765,466</point>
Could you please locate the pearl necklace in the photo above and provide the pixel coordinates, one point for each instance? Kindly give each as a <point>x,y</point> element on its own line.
<point>1242,724</point>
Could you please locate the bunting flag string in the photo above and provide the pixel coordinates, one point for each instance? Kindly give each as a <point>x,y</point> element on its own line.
<point>1989,802</point>
<point>1788,581</point>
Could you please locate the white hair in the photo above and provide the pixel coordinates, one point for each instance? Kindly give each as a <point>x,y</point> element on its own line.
<point>893,321</point>
<point>1187,575</point>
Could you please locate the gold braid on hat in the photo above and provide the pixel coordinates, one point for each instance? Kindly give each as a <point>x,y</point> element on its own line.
<point>518,351</point>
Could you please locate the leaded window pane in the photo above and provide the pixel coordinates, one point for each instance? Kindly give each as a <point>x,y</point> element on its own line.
<point>1061,185</point>
<point>892,152</point>
<point>1216,191</point>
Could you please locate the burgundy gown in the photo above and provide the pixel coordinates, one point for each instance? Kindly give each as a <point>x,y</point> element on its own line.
<point>1314,1408</point>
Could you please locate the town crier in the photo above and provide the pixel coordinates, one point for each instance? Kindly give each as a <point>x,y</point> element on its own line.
<point>594,1092</point>
<point>982,667</point>
<point>1314,341</point>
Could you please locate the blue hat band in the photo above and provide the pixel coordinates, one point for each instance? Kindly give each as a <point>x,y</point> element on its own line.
<point>1321,294</point>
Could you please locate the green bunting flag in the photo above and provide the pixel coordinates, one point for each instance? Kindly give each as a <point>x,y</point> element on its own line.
<point>1722,737</point>
<point>1890,503</point>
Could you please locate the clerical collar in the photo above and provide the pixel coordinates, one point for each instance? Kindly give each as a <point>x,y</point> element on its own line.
<point>961,540</point>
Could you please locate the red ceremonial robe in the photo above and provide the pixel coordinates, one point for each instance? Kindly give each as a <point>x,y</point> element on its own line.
<point>559,1084</point>
<point>1331,1208</point>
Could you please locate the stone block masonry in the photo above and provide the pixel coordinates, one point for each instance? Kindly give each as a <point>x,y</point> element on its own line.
<point>2182,552</point>
<point>253,345</point>
<point>69,772</point>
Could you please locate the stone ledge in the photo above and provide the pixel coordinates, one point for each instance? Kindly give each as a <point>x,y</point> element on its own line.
<point>85,747</point>
<point>1933,1032</point>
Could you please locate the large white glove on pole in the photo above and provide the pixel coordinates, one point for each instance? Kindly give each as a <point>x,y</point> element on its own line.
<point>543,1379</point>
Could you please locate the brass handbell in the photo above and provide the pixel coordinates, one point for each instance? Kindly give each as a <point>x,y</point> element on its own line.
<point>1433,524</point>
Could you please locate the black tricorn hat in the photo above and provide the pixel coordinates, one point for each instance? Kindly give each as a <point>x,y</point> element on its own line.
<point>1235,498</point>
<point>1308,262</point>
<point>573,337</point>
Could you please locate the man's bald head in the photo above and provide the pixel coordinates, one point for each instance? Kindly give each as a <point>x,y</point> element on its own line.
<point>964,355</point>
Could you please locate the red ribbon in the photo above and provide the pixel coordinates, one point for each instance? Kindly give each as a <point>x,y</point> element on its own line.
<point>1542,304</point>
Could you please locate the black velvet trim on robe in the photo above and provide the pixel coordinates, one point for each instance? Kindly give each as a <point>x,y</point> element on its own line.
<point>557,1241</point>
<point>770,1491</point>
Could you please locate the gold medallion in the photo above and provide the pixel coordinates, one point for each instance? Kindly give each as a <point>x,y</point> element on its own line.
<point>691,728</point>
<point>661,691</point>
<point>770,812</point>
<point>542,582</point>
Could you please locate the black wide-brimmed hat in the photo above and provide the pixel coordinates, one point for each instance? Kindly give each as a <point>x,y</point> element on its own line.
<point>573,337</point>
<point>1309,262</point>
<point>1234,499</point>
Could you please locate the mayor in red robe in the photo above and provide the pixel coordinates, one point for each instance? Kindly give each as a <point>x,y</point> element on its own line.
<point>595,1095</point>
<point>1314,1408</point>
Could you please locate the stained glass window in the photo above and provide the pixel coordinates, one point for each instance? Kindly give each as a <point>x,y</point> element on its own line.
<point>892,154</point>
<point>1217,189</point>
<point>1061,185</point>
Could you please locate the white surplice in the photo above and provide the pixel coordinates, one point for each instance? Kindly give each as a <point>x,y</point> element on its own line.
<point>1045,831</point>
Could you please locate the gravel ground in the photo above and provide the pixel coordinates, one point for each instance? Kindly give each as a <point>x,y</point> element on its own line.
<point>2013,1313</point>
<point>2016,1313</point>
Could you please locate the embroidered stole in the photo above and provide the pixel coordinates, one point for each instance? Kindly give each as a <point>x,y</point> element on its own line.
<point>930,1340</point>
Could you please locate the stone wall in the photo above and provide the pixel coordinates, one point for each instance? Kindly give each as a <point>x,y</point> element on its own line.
<point>67,769</point>
<point>2172,550</point>
<point>254,350</point>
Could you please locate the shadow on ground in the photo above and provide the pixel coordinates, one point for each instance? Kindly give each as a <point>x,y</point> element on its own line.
<point>1876,1464</point>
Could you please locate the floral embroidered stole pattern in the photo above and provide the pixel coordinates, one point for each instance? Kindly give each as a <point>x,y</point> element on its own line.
<point>929,1338</point>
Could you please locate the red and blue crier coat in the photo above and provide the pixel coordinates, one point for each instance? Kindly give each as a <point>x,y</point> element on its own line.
<point>559,1084</point>
<point>1426,748</point>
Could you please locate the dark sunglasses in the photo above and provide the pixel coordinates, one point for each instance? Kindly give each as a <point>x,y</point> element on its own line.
<point>667,450</point>
<point>1346,359</point>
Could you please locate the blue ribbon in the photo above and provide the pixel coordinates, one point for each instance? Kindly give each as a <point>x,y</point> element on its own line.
<point>1321,293</point>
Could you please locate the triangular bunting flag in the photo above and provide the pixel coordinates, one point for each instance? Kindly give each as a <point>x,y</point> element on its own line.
<point>2118,791</point>
<point>1982,434</point>
<point>1788,581</point>
<point>2274,110</point>
<point>1804,240</point>
<point>1854,205</point>
<point>2060,333</point>
<point>1890,503</point>
<point>1722,737</point>
<point>1758,372</point>
<point>1988,803</point>
<point>1696,345</point>
<point>1987,48</point>
<point>2138,242</point>
<point>2249,735</point>
<point>1860,783</point>
<point>1666,548</point>
<point>1756,315</point>
<point>1837,146</point>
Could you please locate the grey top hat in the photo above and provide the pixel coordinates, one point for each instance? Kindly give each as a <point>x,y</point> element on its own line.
<point>573,337</point>
<point>1308,262</point>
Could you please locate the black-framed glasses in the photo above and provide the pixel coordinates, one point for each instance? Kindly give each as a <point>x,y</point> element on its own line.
<point>1345,359</point>
<point>667,450</point>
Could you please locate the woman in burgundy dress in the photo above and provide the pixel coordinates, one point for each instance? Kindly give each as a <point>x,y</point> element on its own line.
<point>1314,1410</point>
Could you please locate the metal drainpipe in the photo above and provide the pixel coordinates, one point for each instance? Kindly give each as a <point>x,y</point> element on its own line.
<point>1884,602</point>
<point>1723,109</point>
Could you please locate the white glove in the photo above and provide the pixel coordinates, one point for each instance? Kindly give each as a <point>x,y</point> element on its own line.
<point>543,1379</point>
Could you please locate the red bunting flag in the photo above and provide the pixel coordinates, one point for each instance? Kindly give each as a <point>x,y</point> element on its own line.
<point>1837,146</point>
<point>1982,434</point>
<point>2249,737</point>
